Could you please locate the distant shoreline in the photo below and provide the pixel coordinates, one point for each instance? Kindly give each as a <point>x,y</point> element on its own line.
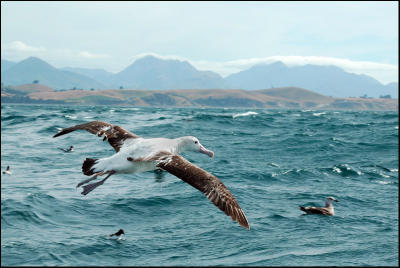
<point>274,98</point>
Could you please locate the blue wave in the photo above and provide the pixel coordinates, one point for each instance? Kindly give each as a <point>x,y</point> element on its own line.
<point>272,162</point>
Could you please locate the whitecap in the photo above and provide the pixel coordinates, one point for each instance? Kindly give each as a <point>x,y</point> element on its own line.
<point>244,114</point>
<point>336,169</point>
<point>383,175</point>
<point>383,182</point>
<point>394,170</point>
<point>71,116</point>
<point>318,114</point>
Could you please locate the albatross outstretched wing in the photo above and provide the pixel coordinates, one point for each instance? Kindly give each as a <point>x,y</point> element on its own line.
<point>205,182</point>
<point>115,135</point>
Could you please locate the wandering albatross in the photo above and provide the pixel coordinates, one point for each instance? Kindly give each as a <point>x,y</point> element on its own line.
<point>327,210</point>
<point>137,154</point>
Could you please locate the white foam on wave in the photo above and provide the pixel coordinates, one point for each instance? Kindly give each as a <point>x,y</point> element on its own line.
<point>336,169</point>
<point>244,114</point>
<point>318,114</point>
<point>383,182</point>
<point>71,116</point>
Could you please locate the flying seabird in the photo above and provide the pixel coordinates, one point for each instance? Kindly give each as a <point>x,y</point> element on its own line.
<point>70,149</point>
<point>137,154</point>
<point>7,171</point>
<point>327,210</point>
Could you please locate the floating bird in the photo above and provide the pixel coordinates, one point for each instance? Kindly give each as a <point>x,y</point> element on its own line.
<point>120,232</point>
<point>137,154</point>
<point>327,210</point>
<point>7,171</point>
<point>119,235</point>
<point>70,149</point>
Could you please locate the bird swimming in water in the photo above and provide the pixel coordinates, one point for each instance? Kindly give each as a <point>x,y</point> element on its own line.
<point>7,171</point>
<point>120,232</point>
<point>119,235</point>
<point>136,154</point>
<point>327,210</point>
<point>70,149</point>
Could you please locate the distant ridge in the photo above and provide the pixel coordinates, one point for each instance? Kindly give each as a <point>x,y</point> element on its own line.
<point>5,65</point>
<point>276,98</point>
<point>33,68</point>
<point>326,80</point>
<point>293,93</point>
<point>99,75</point>
<point>153,73</point>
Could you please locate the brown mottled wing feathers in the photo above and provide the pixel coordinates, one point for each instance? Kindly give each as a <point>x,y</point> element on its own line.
<point>115,135</point>
<point>317,210</point>
<point>205,182</point>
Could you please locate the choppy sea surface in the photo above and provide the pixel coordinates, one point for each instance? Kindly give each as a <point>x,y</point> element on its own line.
<point>271,160</point>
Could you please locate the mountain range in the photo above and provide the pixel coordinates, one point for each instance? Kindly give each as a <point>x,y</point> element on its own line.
<point>153,73</point>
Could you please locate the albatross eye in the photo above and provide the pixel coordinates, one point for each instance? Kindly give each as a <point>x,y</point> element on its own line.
<point>195,142</point>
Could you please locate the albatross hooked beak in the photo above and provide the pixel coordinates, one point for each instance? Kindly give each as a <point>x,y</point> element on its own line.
<point>203,150</point>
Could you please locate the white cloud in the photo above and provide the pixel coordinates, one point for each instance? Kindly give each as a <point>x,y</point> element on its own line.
<point>89,55</point>
<point>163,57</point>
<point>18,46</point>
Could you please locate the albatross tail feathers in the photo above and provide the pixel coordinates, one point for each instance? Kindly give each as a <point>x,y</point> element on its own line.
<point>87,166</point>
<point>303,208</point>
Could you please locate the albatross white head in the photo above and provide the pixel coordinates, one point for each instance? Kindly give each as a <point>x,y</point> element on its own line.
<point>190,143</point>
<point>329,200</point>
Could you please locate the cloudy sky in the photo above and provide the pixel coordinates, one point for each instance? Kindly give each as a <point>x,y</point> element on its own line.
<point>226,37</point>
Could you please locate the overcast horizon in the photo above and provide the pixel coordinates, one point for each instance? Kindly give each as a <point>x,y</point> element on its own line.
<point>224,37</point>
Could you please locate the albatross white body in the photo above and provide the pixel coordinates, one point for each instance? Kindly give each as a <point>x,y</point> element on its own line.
<point>139,150</point>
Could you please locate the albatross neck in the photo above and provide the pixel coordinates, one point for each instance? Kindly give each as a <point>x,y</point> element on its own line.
<point>328,204</point>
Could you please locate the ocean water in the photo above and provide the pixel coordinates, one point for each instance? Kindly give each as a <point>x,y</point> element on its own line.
<point>271,160</point>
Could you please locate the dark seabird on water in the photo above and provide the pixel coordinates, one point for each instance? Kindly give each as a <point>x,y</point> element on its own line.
<point>327,210</point>
<point>120,232</point>
<point>70,149</point>
<point>118,235</point>
<point>137,154</point>
<point>7,171</point>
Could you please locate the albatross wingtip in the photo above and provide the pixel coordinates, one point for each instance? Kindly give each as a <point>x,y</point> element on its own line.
<point>62,132</point>
<point>246,225</point>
